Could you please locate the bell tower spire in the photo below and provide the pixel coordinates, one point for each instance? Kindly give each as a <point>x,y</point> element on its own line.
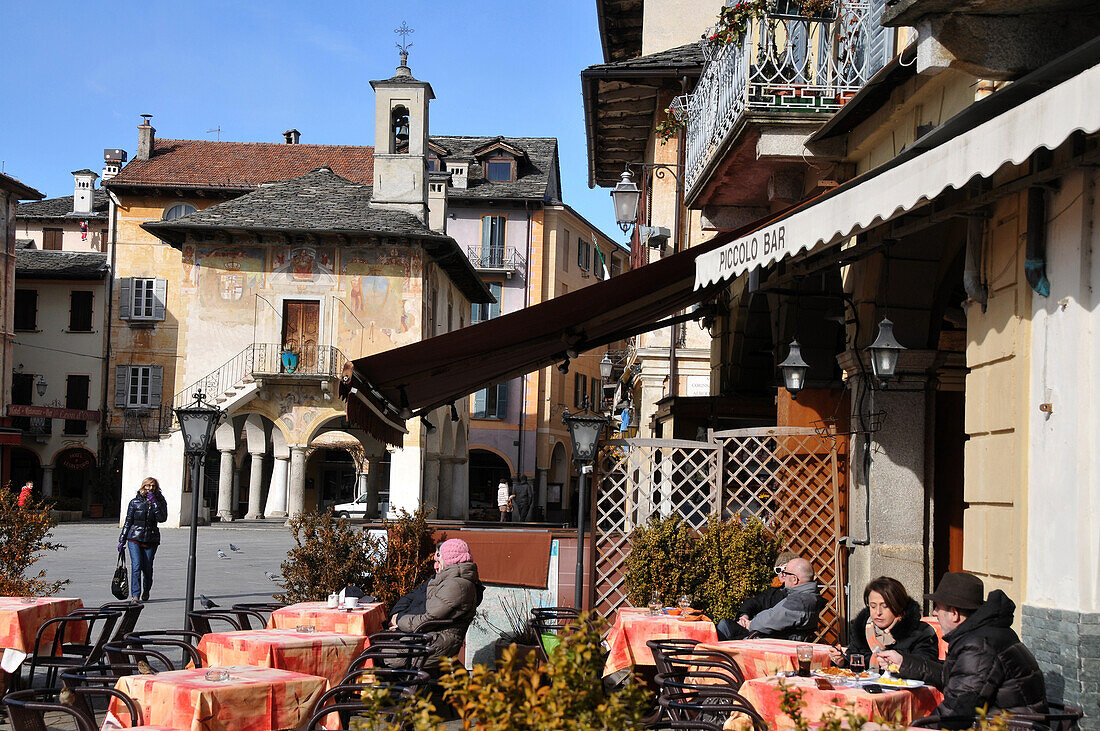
<point>401,137</point>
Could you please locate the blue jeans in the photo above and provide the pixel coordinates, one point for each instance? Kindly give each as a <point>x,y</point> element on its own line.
<point>141,568</point>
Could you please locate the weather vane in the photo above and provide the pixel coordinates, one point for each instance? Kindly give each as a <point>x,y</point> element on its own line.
<point>404,31</point>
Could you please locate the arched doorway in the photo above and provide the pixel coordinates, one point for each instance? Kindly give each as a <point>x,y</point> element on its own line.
<point>73,472</point>
<point>486,470</point>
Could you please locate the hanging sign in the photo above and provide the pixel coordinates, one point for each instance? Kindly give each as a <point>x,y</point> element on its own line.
<point>76,459</point>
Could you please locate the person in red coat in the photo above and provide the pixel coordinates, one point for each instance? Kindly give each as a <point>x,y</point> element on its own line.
<point>25,493</point>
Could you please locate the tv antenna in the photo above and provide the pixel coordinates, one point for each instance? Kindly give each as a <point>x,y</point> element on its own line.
<point>217,129</point>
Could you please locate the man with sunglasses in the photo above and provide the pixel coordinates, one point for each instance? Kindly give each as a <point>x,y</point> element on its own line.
<point>788,613</point>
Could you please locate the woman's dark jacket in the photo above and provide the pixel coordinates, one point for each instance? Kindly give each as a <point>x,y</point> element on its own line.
<point>986,664</point>
<point>911,635</point>
<point>451,600</point>
<point>142,516</point>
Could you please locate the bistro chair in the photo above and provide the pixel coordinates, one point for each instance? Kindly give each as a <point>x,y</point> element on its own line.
<point>1060,717</point>
<point>549,624</point>
<point>392,677</point>
<point>1014,723</point>
<point>27,709</point>
<point>687,662</point>
<point>711,705</point>
<point>392,655</point>
<point>316,721</point>
<point>143,660</point>
<point>104,675</point>
<point>51,654</point>
<point>178,645</point>
<point>393,635</point>
<point>255,610</point>
<point>131,612</point>
<point>202,620</point>
<point>658,647</point>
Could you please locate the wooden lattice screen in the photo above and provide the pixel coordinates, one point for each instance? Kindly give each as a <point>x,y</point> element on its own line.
<point>786,476</point>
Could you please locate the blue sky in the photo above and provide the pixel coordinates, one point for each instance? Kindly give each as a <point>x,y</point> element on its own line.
<point>78,75</point>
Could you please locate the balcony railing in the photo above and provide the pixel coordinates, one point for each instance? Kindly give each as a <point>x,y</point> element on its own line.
<point>500,260</point>
<point>781,64</point>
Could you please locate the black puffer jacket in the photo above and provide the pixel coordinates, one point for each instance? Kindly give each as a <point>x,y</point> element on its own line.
<point>911,635</point>
<point>986,664</point>
<point>142,516</point>
<point>451,600</point>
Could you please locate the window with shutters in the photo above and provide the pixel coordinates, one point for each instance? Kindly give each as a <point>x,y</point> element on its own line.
<point>584,254</point>
<point>492,241</point>
<point>80,311</point>
<point>580,389</point>
<point>564,254</point>
<point>51,239</point>
<point>76,397</point>
<point>22,390</point>
<point>142,299</point>
<point>481,311</point>
<point>26,309</point>
<point>491,403</point>
<point>138,386</point>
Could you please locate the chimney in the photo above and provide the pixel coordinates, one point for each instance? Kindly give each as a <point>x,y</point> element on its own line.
<point>84,182</point>
<point>437,201</point>
<point>146,138</point>
<point>113,160</point>
<point>291,136</point>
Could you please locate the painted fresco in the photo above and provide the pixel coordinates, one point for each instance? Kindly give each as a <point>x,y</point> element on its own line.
<point>225,279</point>
<point>305,268</point>
<point>380,308</point>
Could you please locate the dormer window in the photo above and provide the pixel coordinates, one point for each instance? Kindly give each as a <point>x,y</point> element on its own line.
<point>433,164</point>
<point>501,170</point>
<point>178,211</point>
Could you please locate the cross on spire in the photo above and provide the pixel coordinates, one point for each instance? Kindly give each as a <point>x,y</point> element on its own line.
<point>403,47</point>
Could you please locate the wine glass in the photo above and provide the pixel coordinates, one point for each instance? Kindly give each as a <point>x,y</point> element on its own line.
<point>655,603</point>
<point>684,604</point>
<point>857,664</point>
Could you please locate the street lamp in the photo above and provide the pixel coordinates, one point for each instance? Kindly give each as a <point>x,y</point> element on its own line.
<point>585,428</point>
<point>197,423</point>
<point>885,351</point>
<point>41,386</point>
<point>626,196</point>
<point>794,370</point>
<point>605,367</point>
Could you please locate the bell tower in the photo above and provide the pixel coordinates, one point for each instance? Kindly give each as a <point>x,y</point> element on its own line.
<point>401,138</point>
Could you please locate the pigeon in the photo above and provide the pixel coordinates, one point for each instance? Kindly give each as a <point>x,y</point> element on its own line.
<point>273,577</point>
<point>206,603</point>
<point>234,548</point>
<point>67,697</point>
<point>144,668</point>
<point>222,554</point>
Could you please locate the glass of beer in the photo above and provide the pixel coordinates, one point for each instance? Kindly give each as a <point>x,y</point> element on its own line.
<point>805,655</point>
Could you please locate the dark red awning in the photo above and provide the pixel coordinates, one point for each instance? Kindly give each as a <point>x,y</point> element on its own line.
<point>383,390</point>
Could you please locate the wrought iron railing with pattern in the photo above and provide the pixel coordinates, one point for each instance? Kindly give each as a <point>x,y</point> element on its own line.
<point>782,63</point>
<point>508,259</point>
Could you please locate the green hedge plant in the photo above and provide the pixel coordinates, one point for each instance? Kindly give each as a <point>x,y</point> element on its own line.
<point>718,567</point>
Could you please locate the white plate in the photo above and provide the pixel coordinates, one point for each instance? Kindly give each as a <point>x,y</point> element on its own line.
<point>899,683</point>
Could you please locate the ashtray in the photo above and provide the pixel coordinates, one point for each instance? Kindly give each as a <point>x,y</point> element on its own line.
<point>305,628</point>
<point>217,675</point>
<point>28,600</point>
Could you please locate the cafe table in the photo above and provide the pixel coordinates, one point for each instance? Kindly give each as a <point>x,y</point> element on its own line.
<point>251,699</point>
<point>762,657</point>
<point>326,654</point>
<point>366,619</point>
<point>20,618</point>
<point>634,626</point>
<point>765,695</point>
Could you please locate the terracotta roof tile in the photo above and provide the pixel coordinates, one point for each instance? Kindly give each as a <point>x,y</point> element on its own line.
<point>242,165</point>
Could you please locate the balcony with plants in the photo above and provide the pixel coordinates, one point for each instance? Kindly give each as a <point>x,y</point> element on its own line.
<point>781,59</point>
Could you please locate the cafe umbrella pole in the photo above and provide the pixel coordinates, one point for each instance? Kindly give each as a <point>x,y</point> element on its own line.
<point>197,424</point>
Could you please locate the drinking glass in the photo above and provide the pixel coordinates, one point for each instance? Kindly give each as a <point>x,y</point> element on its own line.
<point>655,604</point>
<point>805,654</point>
<point>684,603</point>
<point>857,664</point>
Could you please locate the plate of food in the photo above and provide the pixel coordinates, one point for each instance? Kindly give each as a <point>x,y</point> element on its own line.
<point>896,682</point>
<point>833,673</point>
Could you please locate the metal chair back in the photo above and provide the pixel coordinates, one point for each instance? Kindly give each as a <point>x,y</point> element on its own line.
<point>202,621</point>
<point>27,708</point>
<point>50,643</point>
<point>392,655</point>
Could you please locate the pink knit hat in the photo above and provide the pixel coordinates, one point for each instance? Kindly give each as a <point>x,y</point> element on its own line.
<point>454,550</point>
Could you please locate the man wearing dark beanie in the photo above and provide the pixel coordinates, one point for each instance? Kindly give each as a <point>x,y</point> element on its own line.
<point>986,664</point>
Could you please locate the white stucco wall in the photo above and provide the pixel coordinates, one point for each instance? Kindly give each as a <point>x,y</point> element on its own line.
<point>1063,537</point>
<point>163,460</point>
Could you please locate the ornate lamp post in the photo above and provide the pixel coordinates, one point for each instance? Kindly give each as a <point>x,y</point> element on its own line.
<point>585,428</point>
<point>197,423</point>
<point>41,386</point>
<point>794,370</point>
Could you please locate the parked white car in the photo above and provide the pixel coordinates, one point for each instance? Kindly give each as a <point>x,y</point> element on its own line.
<point>355,509</point>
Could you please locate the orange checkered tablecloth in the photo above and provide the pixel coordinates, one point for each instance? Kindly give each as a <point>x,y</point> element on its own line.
<point>326,654</point>
<point>765,695</point>
<point>364,620</point>
<point>20,620</point>
<point>634,627</point>
<point>763,657</point>
<point>253,699</point>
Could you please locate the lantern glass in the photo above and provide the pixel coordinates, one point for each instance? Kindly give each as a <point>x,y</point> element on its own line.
<point>626,196</point>
<point>197,423</point>
<point>605,367</point>
<point>885,351</point>
<point>794,369</point>
<point>41,386</point>
<point>584,433</point>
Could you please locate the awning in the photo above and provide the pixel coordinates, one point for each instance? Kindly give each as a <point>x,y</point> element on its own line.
<point>1040,110</point>
<point>385,389</point>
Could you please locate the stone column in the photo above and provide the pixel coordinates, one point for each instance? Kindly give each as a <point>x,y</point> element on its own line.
<point>460,488</point>
<point>255,487</point>
<point>360,484</point>
<point>225,486</point>
<point>47,480</point>
<point>899,503</point>
<point>429,495</point>
<point>373,483</point>
<point>276,491</point>
<point>446,487</point>
<point>296,495</point>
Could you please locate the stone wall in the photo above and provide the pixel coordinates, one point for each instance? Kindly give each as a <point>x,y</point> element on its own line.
<point>1072,677</point>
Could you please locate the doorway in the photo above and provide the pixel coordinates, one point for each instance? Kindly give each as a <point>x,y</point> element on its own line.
<point>486,471</point>
<point>301,326</point>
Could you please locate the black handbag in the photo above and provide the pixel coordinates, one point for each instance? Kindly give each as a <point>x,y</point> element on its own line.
<point>120,583</point>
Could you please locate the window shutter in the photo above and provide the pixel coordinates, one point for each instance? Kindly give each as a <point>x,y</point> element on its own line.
<point>479,402</point>
<point>122,378</point>
<point>495,290</point>
<point>125,298</point>
<point>156,385</point>
<point>502,401</point>
<point>160,296</point>
<point>486,236</point>
<point>880,46</point>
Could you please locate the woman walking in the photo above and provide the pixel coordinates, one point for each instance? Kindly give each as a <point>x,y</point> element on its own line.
<point>141,536</point>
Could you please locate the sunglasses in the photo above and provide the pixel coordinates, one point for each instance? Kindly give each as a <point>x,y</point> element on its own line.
<point>782,571</point>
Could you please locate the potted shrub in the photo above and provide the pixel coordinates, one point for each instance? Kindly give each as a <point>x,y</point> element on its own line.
<point>823,11</point>
<point>733,21</point>
<point>512,625</point>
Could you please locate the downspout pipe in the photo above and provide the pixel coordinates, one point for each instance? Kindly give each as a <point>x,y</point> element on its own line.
<point>1036,251</point>
<point>972,268</point>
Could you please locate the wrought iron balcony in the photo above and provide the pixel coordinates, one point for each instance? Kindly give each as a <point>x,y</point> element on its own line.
<point>306,360</point>
<point>506,260</point>
<point>783,63</point>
